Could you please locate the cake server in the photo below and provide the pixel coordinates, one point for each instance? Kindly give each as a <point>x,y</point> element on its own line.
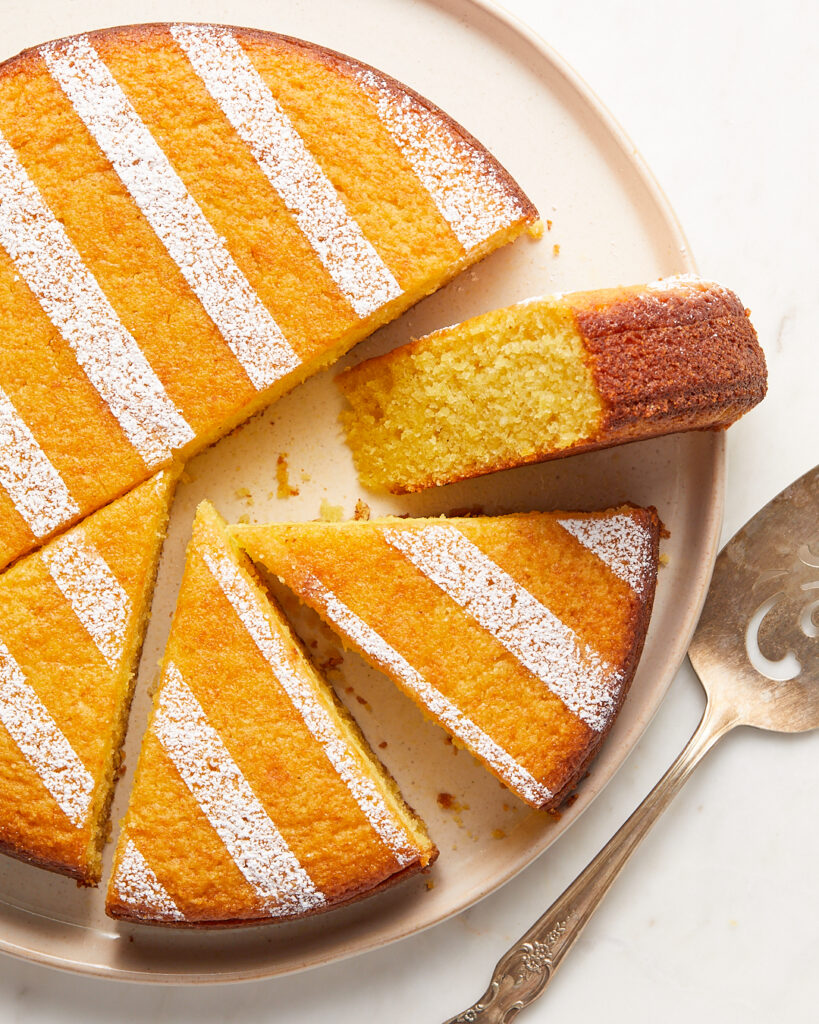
<point>756,651</point>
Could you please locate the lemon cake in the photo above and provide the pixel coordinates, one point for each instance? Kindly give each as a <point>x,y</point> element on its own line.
<point>194,218</point>
<point>256,796</point>
<point>518,634</point>
<point>73,619</point>
<point>552,377</point>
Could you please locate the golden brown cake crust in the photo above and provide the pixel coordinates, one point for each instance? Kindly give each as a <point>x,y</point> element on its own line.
<point>680,358</point>
<point>333,58</point>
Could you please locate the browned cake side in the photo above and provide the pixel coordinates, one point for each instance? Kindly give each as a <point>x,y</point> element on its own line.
<point>683,356</point>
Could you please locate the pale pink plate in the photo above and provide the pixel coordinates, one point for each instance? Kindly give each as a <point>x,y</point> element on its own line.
<point>610,224</point>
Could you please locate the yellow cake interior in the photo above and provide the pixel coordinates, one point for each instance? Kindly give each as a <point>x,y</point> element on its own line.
<point>501,388</point>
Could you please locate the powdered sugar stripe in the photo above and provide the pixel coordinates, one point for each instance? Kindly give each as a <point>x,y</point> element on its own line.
<point>623,544</point>
<point>217,784</point>
<point>463,182</point>
<point>450,716</point>
<point>73,301</point>
<point>93,591</point>
<point>200,253</point>
<point>526,628</point>
<point>35,487</point>
<point>235,84</point>
<point>42,743</point>
<point>237,590</point>
<point>136,884</point>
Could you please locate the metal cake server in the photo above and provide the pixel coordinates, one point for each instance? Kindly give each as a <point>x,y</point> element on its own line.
<point>755,650</point>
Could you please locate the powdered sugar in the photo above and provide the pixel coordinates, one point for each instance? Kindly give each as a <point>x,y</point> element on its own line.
<point>451,717</point>
<point>683,282</point>
<point>217,784</point>
<point>619,541</point>
<point>525,627</point>
<point>297,687</point>
<point>93,591</point>
<point>33,484</point>
<point>135,883</point>
<point>199,252</point>
<point>71,298</point>
<point>251,108</point>
<point>42,743</point>
<point>464,183</point>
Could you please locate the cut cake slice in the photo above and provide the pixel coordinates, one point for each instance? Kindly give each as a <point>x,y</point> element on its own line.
<point>551,377</point>
<point>73,619</point>
<point>518,634</point>
<point>193,219</point>
<point>256,797</point>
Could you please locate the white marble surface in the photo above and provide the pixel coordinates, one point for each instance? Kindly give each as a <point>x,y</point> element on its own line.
<point>715,918</point>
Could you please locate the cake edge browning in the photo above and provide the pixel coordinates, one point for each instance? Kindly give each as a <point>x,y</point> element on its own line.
<point>651,390</point>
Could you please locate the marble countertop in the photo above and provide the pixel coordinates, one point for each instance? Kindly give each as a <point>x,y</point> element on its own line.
<point>714,918</point>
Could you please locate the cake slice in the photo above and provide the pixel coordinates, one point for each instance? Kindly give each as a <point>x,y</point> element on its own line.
<point>551,377</point>
<point>256,796</point>
<point>193,219</point>
<point>71,629</point>
<point>518,634</point>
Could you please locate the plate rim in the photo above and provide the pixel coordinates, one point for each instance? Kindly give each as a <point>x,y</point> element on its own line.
<point>713,510</point>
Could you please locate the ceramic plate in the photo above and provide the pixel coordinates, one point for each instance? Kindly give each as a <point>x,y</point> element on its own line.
<point>608,224</point>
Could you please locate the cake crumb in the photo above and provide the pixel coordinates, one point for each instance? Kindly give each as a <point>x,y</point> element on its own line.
<point>244,519</point>
<point>283,488</point>
<point>664,559</point>
<point>446,800</point>
<point>243,494</point>
<point>330,513</point>
<point>362,511</point>
<point>498,833</point>
<point>535,230</point>
<point>556,249</point>
<point>305,477</point>
<point>549,225</point>
<point>382,745</point>
<point>331,663</point>
<point>430,884</point>
<point>363,702</point>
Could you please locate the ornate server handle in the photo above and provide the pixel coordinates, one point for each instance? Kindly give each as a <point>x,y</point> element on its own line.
<point>527,968</point>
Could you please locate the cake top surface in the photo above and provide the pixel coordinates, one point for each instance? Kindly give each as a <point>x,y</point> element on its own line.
<point>195,204</point>
<point>71,615</point>
<point>482,618</point>
<point>246,748</point>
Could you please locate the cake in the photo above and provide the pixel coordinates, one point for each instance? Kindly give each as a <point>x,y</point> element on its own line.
<point>518,634</point>
<point>256,797</point>
<point>193,219</point>
<point>552,377</point>
<point>73,618</point>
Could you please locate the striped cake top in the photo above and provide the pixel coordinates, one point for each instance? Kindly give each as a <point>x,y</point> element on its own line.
<point>173,207</point>
<point>228,780</point>
<point>458,607</point>
<point>73,606</point>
